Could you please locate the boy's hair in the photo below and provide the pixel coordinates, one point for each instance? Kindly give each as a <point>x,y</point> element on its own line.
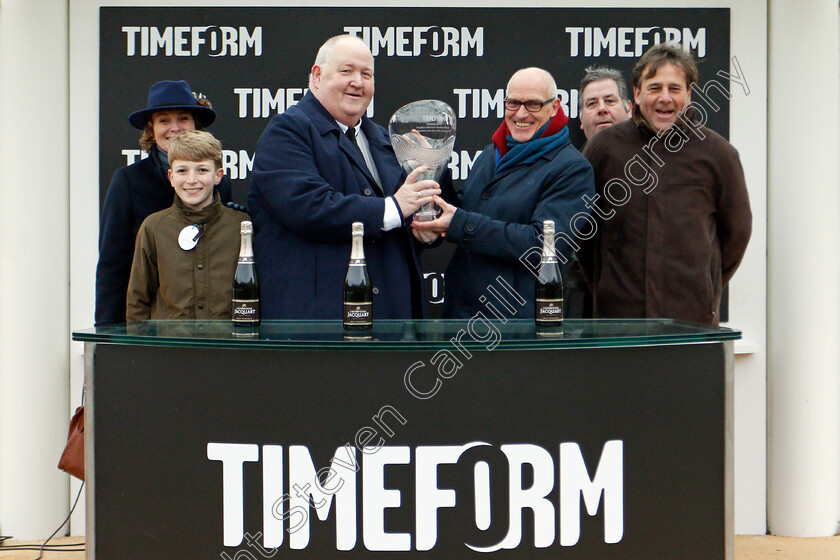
<point>195,145</point>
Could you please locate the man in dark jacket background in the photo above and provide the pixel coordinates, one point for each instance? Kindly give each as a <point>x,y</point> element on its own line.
<point>672,209</point>
<point>319,167</point>
<point>603,100</point>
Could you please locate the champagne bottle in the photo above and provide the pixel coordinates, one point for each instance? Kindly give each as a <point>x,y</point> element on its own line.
<point>246,282</point>
<point>358,295</point>
<point>548,311</point>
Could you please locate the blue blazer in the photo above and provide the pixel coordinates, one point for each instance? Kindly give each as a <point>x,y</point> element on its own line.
<point>135,192</point>
<point>308,185</point>
<point>500,218</point>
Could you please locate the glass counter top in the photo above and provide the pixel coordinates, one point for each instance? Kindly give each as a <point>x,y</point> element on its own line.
<point>475,334</point>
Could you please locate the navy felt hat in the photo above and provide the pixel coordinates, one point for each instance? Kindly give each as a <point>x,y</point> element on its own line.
<point>169,96</point>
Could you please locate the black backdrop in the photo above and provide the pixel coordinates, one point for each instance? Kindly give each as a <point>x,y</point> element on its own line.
<point>275,48</point>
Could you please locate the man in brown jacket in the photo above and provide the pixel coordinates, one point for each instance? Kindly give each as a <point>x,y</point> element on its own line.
<point>672,211</point>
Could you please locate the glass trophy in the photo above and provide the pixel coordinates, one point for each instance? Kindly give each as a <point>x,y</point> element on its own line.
<point>423,133</point>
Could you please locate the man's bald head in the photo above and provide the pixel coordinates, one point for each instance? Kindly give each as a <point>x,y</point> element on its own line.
<point>534,88</point>
<point>342,78</point>
<point>534,76</point>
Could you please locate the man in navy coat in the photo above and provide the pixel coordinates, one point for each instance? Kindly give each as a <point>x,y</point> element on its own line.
<point>312,179</point>
<point>530,173</point>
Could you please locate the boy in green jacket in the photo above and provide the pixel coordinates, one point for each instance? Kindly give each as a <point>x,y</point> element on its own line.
<point>185,256</point>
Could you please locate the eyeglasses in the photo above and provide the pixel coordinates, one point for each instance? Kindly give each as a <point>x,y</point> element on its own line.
<point>530,106</point>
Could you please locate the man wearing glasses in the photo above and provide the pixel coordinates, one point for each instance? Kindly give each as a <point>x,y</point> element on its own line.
<point>530,173</point>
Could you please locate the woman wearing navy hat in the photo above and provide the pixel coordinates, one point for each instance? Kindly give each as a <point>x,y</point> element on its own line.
<point>143,188</point>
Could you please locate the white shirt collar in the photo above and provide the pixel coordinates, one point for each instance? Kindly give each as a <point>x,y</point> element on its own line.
<point>344,127</point>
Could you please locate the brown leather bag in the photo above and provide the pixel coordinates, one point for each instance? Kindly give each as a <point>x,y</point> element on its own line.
<point>73,457</point>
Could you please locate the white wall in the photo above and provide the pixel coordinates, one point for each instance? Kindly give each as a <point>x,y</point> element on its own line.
<point>34,265</point>
<point>804,195</point>
<point>748,134</point>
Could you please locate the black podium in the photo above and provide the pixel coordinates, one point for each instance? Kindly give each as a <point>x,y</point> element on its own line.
<point>430,439</point>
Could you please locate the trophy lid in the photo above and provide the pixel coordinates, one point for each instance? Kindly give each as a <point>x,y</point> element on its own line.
<point>246,227</point>
<point>434,120</point>
<point>423,133</point>
<point>358,228</point>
